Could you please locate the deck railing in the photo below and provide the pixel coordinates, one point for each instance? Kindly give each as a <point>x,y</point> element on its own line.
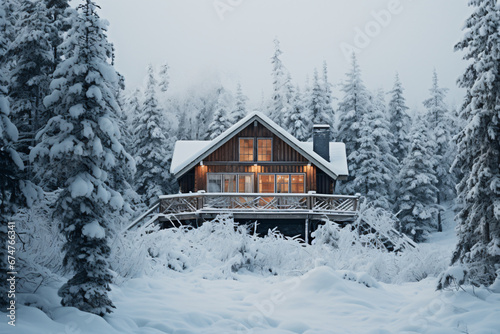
<point>269,202</point>
<point>181,206</point>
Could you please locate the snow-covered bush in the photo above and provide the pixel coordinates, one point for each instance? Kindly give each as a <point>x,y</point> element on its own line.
<point>39,244</point>
<point>327,234</point>
<point>220,248</point>
<point>453,278</point>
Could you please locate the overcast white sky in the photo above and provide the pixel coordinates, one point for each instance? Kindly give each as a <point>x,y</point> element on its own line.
<point>234,43</point>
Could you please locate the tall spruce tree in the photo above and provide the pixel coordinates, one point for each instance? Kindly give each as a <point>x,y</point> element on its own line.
<point>399,120</point>
<point>282,96</point>
<point>320,107</point>
<point>240,109</point>
<point>352,109</point>
<point>478,158</point>
<point>417,184</point>
<point>374,163</point>
<point>164,77</point>
<point>60,23</point>
<point>11,11</point>
<point>151,147</point>
<point>30,77</point>
<point>300,117</point>
<point>80,148</point>
<point>328,97</point>
<point>10,162</point>
<point>440,123</point>
<point>221,120</point>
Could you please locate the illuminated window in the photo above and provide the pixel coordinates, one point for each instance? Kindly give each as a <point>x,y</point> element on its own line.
<point>245,183</point>
<point>264,149</point>
<point>229,183</point>
<point>266,183</point>
<point>297,183</point>
<point>282,183</point>
<point>246,150</point>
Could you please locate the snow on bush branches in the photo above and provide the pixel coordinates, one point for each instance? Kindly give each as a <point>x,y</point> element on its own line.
<point>219,248</point>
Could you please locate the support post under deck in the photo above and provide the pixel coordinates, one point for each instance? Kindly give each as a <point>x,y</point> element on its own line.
<point>307,231</point>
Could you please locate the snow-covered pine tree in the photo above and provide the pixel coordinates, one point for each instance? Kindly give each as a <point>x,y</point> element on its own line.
<point>80,148</point>
<point>164,77</point>
<point>416,183</point>
<point>322,113</point>
<point>282,96</point>
<point>354,105</point>
<point>10,163</point>
<point>183,128</point>
<point>328,98</point>
<point>399,120</point>
<point>439,122</point>
<point>221,120</point>
<point>58,18</point>
<point>151,149</point>
<point>202,117</point>
<point>478,158</point>
<point>11,9</point>
<point>374,163</point>
<point>30,77</point>
<point>240,109</point>
<point>300,119</point>
<point>131,111</point>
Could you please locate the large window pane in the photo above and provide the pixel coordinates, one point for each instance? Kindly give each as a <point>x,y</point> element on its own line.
<point>298,183</point>
<point>282,183</point>
<point>266,183</point>
<point>246,150</point>
<point>245,184</point>
<point>229,183</point>
<point>264,149</point>
<point>214,183</point>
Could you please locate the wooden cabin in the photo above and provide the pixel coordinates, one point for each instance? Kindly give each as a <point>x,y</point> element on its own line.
<point>261,175</point>
<point>258,156</point>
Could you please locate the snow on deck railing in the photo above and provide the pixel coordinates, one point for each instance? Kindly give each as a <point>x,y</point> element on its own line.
<point>201,201</point>
<point>193,202</point>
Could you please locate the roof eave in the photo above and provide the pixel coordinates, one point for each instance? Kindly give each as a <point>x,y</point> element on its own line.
<point>229,135</point>
<point>215,146</point>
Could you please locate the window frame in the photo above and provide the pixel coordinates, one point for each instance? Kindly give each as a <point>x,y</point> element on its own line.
<point>253,149</point>
<point>221,178</point>
<point>258,182</point>
<point>289,181</point>
<point>257,146</point>
<point>304,175</point>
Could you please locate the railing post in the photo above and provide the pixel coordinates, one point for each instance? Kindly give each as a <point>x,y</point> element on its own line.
<point>310,199</point>
<point>356,201</point>
<point>200,200</point>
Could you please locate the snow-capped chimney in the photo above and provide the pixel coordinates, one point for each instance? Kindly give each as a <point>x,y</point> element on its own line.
<point>321,140</point>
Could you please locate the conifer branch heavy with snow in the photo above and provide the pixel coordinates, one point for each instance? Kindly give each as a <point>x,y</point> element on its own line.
<point>478,159</point>
<point>80,148</point>
<point>152,148</point>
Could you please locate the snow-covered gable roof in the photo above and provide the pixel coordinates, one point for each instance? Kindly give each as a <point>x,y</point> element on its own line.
<point>188,153</point>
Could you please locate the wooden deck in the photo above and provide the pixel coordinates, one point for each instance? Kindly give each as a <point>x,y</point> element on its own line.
<point>200,206</point>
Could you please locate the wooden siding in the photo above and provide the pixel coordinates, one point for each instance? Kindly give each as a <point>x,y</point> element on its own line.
<point>284,160</point>
<point>230,150</point>
<point>201,173</point>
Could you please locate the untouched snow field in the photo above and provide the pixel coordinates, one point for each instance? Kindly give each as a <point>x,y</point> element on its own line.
<point>320,301</point>
<point>320,298</point>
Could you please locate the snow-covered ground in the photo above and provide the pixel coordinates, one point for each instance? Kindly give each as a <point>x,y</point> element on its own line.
<point>318,299</point>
